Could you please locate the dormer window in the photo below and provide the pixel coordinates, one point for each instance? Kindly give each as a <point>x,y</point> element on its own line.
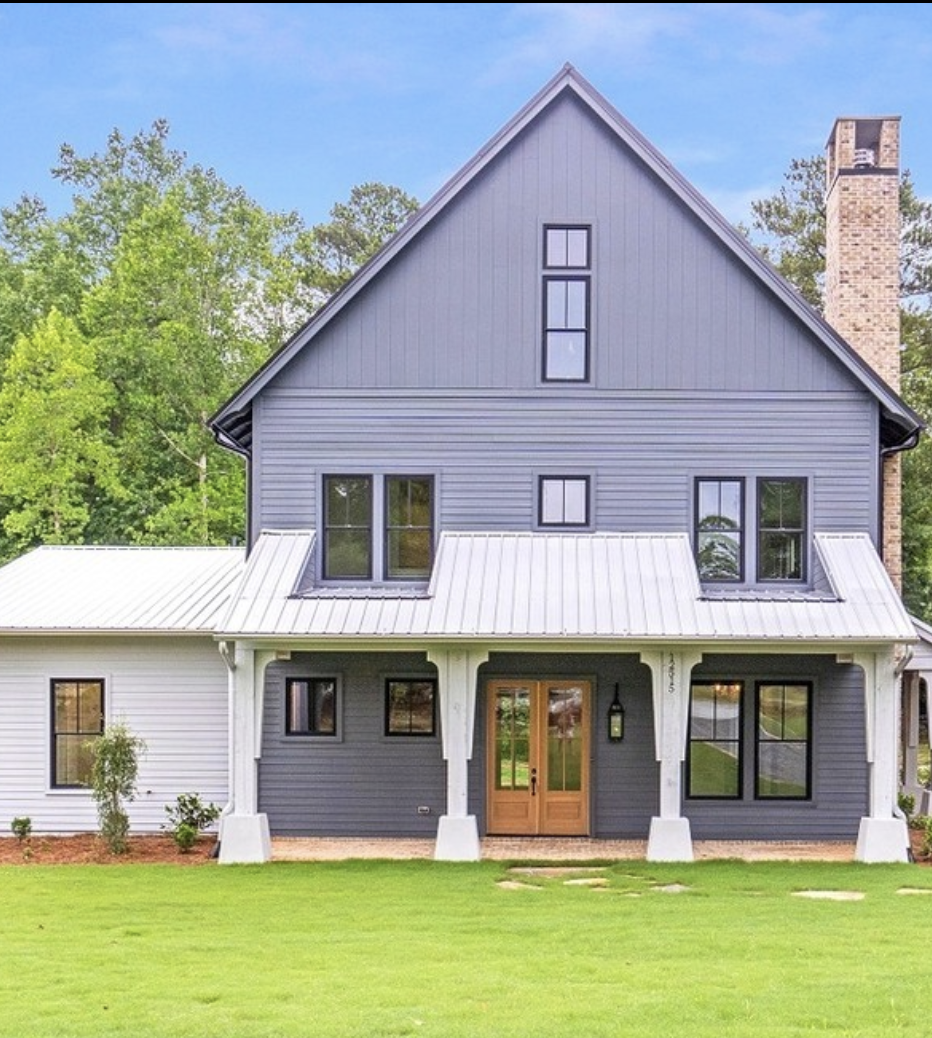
<point>567,250</point>
<point>356,548</point>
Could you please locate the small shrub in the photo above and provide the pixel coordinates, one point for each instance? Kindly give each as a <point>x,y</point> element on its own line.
<point>907,804</point>
<point>113,781</point>
<point>926,847</point>
<point>21,828</point>
<point>188,817</point>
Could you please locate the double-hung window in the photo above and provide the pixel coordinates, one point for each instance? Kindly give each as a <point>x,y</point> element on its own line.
<point>783,754</point>
<point>719,529</point>
<point>781,529</point>
<point>566,305</point>
<point>399,547</point>
<point>714,760</point>
<point>77,721</point>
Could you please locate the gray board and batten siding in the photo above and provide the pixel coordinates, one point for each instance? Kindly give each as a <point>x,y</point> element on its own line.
<point>368,784</point>
<point>434,366</point>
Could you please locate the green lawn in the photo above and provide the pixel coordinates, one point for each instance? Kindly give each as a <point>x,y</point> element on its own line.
<point>443,950</point>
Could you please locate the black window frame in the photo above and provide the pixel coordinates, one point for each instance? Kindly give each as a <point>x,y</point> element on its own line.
<point>388,528</point>
<point>807,741</point>
<point>741,530</point>
<point>737,740</point>
<point>85,733</point>
<point>564,478</point>
<point>800,532</point>
<point>573,273</point>
<point>312,730</point>
<point>329,526</point>
<point>395,733</point>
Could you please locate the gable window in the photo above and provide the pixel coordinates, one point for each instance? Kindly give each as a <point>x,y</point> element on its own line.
<point>77,721</point>
<point>410,706</point>
<point>784,746</point>
<point>401,549</point>
<point>714,752</point>
<point>566,304</point>
<point>563,501</point>
<point>719,529</point>
<point>781,529</point>
<point>311,706</point>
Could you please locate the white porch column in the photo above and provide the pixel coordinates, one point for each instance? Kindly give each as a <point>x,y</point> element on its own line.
<point>881,836</point>
<point>670,838</point>
<point>244,833</point>
<point>457,831</point>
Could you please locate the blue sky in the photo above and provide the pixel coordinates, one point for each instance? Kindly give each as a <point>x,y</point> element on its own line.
<point>298,103</point>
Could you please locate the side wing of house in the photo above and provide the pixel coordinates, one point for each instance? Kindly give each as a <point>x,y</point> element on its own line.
<point>95,636</point>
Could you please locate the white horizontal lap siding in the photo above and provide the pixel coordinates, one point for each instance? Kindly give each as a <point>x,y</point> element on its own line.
<point>171,692</point>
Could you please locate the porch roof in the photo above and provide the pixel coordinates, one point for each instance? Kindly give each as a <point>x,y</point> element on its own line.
<point>536,587</point>
<point>85,589</point>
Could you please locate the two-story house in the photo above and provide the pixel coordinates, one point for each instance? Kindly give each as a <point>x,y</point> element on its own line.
<point>567,516</point>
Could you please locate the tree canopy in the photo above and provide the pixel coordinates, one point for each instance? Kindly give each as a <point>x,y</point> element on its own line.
<point>128,320</point>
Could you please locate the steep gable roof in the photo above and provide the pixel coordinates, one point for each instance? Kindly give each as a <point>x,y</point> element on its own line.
<point>232,424</point>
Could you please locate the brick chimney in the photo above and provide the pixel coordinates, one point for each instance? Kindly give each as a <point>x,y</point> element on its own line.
<point>862,272</point>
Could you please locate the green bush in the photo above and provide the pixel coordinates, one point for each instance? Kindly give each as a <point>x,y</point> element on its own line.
<point>113,781</point>
<point>188,817</point>
<point>21,828</point>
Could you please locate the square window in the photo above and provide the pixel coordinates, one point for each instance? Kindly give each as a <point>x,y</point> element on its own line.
<point>77,720</point>
<point>410,706</point>
<point>311,706</point>
<point>563,501</point>
<point>566,247</point>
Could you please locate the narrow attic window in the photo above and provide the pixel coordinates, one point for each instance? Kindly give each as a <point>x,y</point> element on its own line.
<point>566,303</point>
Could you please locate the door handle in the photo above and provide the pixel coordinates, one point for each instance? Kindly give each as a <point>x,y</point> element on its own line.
<point>533,782</point>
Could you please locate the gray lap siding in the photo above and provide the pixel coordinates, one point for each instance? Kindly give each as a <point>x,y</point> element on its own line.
<point>368,784</point>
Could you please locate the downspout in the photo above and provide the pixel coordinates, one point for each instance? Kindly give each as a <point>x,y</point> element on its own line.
<point>228,657</point>
<point>898,812</point>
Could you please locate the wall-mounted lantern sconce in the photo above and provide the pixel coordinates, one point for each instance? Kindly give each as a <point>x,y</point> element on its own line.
<point>616,719</point>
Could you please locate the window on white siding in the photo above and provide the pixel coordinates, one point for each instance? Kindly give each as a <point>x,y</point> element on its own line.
<point>563,501</point>
<point>566,304</point>
<point>77,721</point>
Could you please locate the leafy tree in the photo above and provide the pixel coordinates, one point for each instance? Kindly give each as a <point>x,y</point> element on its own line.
<point>789,229</point>
<point>357,230</point>
<point>57,462</point>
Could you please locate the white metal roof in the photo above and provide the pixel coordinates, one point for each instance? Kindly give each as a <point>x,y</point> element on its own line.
<point>102,589</point>
<point>532,587</point>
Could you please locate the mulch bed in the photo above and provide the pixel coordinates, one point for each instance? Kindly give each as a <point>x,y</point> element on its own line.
<point>90,849</point>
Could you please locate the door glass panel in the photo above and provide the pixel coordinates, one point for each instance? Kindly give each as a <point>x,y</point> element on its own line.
<point>512,737</point>
<point>564,739</point>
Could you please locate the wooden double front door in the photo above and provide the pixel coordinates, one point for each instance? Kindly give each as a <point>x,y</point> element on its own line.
<point>538,754</point>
